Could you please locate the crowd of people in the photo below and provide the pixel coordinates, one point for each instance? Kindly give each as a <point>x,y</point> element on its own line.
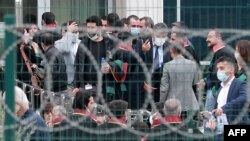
<point>127,63</point>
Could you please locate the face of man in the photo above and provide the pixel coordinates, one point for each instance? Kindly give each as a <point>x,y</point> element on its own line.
<point>134,23</point>
<point>104,23</point>
<point>91,27</point>
<point>142,24</point>
<point>212,39</point>
<point>173,36</point>
<point>160,37</point>
<point>226,68</point>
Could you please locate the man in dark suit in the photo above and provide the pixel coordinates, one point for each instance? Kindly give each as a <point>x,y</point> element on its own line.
<point>155,54</point>
<point>230,99</point>
<point>232,94</point>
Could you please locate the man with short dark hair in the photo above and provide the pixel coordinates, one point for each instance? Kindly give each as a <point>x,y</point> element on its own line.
<point>48,19</point>
<point>86,75</point>
<point>210,82</point>
<point>134,25</point>
<point>57,77</point>
<point>155,53</point>
<point>48,25</point>
<point>232,93</point>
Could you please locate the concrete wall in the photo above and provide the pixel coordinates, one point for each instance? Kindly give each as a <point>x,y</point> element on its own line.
<point>141,8</point>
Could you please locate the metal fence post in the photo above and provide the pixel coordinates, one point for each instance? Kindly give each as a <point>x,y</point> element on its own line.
<point>9,79</point>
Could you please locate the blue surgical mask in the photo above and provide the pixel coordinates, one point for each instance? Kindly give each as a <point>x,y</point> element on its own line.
<point>135,31</point>
<point>222,76</point>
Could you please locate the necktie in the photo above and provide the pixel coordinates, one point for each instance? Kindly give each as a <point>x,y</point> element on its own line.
<point>156,59</point>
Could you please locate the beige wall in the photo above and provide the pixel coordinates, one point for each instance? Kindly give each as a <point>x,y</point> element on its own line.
<point>141,8</point>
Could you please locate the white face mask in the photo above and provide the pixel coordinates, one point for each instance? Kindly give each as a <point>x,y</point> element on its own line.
<point>236,55</point>
<point>93,37</point>
<point>135,31</point>
<point>160,41</point>
<point>222,76</point>
<point>75,37</point>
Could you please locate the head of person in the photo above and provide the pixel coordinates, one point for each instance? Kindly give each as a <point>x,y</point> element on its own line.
<point>47,40</point>
<point>84,100</point>
<point>125,37</point>
<point>58,111</point>
<point>160,34</point>
<point>104,21</point>
<point>214,38</point>
<point>47,112</point>
<point>48,19</point>
<point>225,68</point>
<point>30,21</point>
<point>176,48</point>
<point>119,26</point>
<point>172,107</point>
<point>112,18</point>
<point>134,25</point>
<point>101,115</point>
<point>146,23</point>
<point>21,101</point>
<point>93,27</point>
<point>32,29</point>
<point>125,22</point>
<point>140,126</point>
<point>118,108</point>
<point>242,52</point>
<point>178,31</point>
<point>23,35</point>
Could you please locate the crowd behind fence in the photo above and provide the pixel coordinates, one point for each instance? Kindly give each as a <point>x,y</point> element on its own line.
<point>128,80</point>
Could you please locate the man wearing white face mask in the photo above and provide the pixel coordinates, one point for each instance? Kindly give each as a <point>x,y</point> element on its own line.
<point>68,46</point>
<point>231,96</point>
<point>99,46</point>
<point>155,57</point>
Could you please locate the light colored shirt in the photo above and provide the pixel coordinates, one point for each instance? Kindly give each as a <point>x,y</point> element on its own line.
<point>68,46</point>
<point>160,53</point>
<point>222,98</point>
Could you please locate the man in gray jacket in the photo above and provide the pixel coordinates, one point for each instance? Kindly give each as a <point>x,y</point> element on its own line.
<point>179,75</point>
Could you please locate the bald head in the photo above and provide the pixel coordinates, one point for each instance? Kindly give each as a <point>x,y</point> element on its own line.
<point>172,107</point>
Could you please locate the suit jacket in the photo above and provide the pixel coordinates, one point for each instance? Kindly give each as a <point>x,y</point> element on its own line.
<point>179,75</point>
<point>236,99</point>
<point>148,59</point>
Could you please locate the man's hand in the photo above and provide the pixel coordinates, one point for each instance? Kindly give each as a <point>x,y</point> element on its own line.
<point>218,111</point>
<point>73,27</point>
<point>146,46</point>
<point>202,84</point>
